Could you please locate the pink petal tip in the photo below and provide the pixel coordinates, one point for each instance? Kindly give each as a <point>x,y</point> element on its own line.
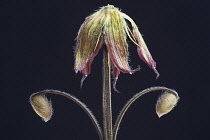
<point>82,80</point>
<point>114,84</point>
<point>157,73</point>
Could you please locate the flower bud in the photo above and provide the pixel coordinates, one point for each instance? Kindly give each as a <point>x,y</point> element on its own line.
<point>42,106</point>
<point>166,103</point>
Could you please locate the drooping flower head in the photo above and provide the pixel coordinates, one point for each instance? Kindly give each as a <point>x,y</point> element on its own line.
<point>109,26</point>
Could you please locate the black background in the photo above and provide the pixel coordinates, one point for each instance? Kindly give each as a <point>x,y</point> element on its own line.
<point>37,41</point>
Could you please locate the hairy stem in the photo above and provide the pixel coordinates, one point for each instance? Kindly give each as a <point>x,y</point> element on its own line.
<point>106,97</point>
<point>78,102</point>
<point>132,100</point>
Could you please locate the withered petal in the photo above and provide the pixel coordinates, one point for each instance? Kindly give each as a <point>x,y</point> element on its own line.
<point>88,38</point>
<point>87,68</point>
<point>115,73</point>
<point>142,49</point>
<point>115,40</point>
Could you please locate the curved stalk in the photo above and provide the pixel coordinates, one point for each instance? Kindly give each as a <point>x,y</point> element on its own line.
<point>133,99</point>
<point>106,97</point>
<point>78,102</point>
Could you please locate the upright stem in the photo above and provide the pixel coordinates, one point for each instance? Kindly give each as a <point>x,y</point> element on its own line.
<point>106,97</point>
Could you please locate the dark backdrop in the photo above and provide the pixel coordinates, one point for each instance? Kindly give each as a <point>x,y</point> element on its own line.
<point>37,41</point>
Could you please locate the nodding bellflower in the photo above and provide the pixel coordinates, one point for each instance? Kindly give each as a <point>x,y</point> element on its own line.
<point>109,26</point>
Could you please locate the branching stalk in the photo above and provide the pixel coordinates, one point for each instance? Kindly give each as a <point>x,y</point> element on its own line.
<point>78,102</point>
<point>133,99</point>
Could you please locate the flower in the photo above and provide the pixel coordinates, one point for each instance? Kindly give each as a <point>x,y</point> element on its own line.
<point>108,26</point>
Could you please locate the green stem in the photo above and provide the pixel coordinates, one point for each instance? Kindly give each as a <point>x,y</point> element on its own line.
<point>106,97</point>
<point>132,100</point>
<point>78,102</point>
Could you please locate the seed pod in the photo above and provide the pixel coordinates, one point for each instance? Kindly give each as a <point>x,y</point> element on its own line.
<point>42,106</point>
<point>166,103</point>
